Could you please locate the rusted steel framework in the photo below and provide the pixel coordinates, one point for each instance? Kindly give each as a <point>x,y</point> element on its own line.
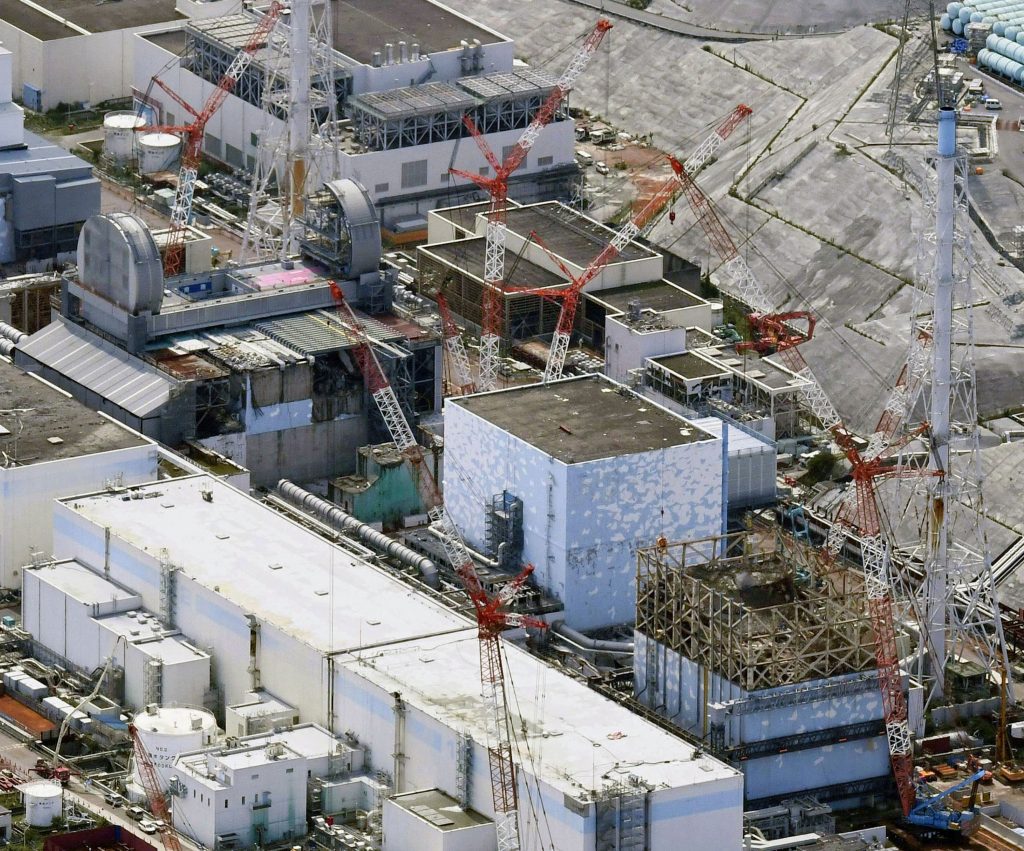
<point>735,605</point>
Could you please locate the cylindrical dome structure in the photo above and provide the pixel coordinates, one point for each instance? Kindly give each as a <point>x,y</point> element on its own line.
<point>167,731</point>
<point>43,802</point>
<point>119,132</point>
<point>158,152</point>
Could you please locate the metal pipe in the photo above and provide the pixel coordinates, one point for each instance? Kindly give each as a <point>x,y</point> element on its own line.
<point>9,332</point>
<point>494,564</point>
<point>587,643</point>
<point>333,516</point>
<point>6,348</point>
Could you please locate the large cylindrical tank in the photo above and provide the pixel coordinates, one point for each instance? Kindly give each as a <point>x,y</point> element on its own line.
<point>43,802</point>
<point>158,152</point>
<point>119,132</point>
<point>958,27</point>
<point>167,731</point>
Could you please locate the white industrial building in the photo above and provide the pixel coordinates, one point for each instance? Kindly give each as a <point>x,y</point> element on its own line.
<point>743,641</point>
<point>406,71</point>
<point>600,472</point>
<point>69,51</point>
<point>253,791</point>
<point>359,652</point>
<point>81,617</point>
<point>51,446</point>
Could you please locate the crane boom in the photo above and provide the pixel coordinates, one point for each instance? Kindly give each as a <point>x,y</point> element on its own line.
<point>496,187</point>
<point>154,793</point>
<point>490,609</point>
<point>193,133</point>
<point>709,147</point>
<point>456,348</point>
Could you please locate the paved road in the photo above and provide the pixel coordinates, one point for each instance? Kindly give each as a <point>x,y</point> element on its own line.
<point>621,10</point>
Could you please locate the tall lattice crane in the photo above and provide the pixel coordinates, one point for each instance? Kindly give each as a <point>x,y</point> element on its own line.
<point>154,793</point>
<point>778,332</point>
<point>570,296</point>
<point>192,137</point>
<point>491,611</point>
<point>458,358</point>
<point>496,186</point>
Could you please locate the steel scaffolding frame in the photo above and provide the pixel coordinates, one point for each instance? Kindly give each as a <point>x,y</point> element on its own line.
<point>689,601</point>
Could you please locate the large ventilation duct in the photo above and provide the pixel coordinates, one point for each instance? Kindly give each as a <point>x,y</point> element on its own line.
<point>336,518</point>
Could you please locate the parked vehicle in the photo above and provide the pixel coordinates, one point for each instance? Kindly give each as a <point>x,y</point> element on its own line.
<point>602,168</point>
<point>135,813</point>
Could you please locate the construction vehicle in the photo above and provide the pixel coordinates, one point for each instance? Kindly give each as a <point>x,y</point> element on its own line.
<point>933,813</point>
<point>59,773</point>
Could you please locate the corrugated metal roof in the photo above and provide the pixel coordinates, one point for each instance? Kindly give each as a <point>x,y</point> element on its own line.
<point>320,331</point>
<point>100,367</point>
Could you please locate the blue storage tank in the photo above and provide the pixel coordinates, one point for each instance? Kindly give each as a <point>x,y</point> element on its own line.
<point>965,15</point>
<point>997,27</point>
<point>1012,32</point>
<point>953,9</point>
<point>990,41</point>
<point>958,27</point>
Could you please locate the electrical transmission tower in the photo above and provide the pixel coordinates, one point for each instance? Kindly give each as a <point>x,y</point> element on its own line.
<point>297,150</point>
<point>953,596</point>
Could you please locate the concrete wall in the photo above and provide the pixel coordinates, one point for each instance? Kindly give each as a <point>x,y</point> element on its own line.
<point>583,522</point>
<point>27,494</point>
<point>674,687</point>
<point>89,68</point>
<point>206,810</point>
<point>626,348</point>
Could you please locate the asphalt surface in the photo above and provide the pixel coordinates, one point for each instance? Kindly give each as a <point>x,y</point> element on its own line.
<point>25,758</point>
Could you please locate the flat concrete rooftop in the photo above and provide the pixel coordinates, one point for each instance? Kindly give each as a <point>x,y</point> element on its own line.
<point>173,41</point>
<point>656,295</point>
<point>583,419</point>
<point>585,738</point>
<point>432,802</point>
<point>87,14</point>
<point>258,561</point>
<point>364,26</point>
<point>569,234</point>
<point>688,365</point>
<point>40,423</point>
<point>468,256</point>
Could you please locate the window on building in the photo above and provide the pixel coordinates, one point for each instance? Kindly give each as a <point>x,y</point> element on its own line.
<point>170,118</point>
<point>193,793</point>
<point>213,146</point>
<point>233,156</point>
<point>381,187</point>
<point>543,161</point>
<point>486,170</point>
<point>414,174</point>
<point>505,151</point>
<point>255,777</point>
<point>243,800</point>
<point>225,803</point>
<point>289,771</point>
<point>254,139</point>
<point>446,177</point>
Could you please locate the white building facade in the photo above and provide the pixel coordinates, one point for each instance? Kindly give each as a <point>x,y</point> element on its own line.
<point>359,652</point>
<point>600,472</point>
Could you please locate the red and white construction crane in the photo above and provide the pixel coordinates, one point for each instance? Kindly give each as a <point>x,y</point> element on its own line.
<point>571,295</point>
<point>154,792</point>
<point>490,609</point>
<point>192,137</point>
<point>709,147</point>
<point>861,511</point>
<point>497,188</point>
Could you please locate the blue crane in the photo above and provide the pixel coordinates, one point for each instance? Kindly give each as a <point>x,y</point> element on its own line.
<point>933,811</point>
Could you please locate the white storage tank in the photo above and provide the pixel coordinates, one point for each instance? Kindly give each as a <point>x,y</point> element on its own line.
<point>119,135</point>
<point>158,152</point>
<point>43,802</point>
<point>167,731</point>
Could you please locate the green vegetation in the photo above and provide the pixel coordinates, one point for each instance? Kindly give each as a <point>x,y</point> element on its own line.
<point>638,4</point>
<point>67,118</point>
<point>819,468</point>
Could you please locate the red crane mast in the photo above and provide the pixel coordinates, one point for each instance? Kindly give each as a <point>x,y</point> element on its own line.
<point>154,794</point>
<point>492,615</point>
<point>192,137</point>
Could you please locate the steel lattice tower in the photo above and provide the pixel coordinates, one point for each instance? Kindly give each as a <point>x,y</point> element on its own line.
<point>296,147</point>
<point>954,600</point>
